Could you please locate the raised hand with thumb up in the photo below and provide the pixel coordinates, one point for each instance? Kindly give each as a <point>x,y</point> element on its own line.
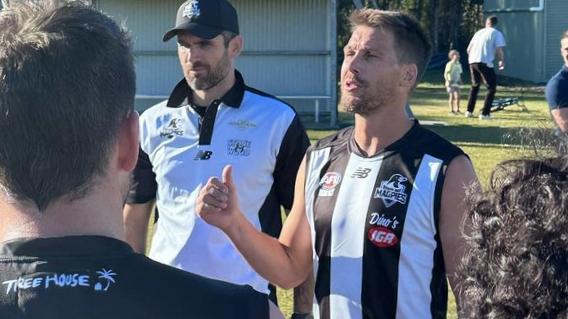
<point>217,202</point>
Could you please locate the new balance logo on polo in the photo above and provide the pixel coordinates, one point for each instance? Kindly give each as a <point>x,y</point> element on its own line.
<point>361,172</point>
<point>203,155</point>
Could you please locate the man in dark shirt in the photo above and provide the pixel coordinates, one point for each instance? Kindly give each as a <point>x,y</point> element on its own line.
<point>69,143</point>
<point>557,89</point>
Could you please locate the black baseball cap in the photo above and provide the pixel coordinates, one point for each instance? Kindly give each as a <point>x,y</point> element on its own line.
<point>205,19</point>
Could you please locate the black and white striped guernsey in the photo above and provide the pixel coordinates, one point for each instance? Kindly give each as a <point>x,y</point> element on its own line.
<point>374,223</point>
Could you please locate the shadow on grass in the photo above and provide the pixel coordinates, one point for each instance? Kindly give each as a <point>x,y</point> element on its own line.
<point>520,136</point>
<point>457,133</point>
<point>432,92</point>
<point>435,76</point>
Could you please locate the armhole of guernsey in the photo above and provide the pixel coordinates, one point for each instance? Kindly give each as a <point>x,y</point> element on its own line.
<point>315,161</point>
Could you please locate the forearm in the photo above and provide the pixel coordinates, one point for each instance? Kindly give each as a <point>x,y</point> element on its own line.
<point>286,261</point>
<point>455,284</point>
<point>136,217</point>
<point>500,55</point>
<point>279,264</point>
<point>560,116</point>
<point>304,295</point>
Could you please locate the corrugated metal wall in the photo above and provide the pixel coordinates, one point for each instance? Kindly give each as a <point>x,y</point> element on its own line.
<point>522,28</point>
<point>286,51</point>
<point>157,66</point>
<point>556,12</point>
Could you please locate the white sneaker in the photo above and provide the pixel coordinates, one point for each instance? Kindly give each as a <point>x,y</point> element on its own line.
<point>468,114</point>
<point>484,117</point>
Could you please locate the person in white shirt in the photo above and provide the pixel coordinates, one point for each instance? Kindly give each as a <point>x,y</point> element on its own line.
<point>482,49</point>
<point>212,118</point>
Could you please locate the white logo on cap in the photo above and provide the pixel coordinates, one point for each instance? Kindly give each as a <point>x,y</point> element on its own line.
<point>192,9</point>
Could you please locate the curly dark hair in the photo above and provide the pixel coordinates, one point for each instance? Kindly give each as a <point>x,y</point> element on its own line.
<point>517,233</point>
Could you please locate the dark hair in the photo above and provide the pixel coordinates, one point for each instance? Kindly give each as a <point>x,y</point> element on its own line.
<point>227,37</point>
<point>493,20</point>
<point>517,263</point>
<point>410,39</point>
<point>67,81</point>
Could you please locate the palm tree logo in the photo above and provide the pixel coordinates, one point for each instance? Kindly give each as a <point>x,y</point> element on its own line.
<point>107,275</point>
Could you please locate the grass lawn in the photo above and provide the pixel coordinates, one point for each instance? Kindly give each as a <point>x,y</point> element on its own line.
<point>508,135</point>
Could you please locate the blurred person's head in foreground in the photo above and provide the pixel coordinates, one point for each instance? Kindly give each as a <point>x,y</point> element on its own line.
<point>517,266</point>
<point>69,133</point>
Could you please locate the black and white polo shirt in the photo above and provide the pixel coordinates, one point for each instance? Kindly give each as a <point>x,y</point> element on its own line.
<point>374,223</point>
<point>262,138</point>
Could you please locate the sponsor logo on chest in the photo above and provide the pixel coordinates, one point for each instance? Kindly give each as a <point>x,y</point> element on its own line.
<point>382,237</point>
<point>382,231</point>
<point>243,124</point>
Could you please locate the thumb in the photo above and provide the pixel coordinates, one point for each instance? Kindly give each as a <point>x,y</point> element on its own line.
<point>228,176</point>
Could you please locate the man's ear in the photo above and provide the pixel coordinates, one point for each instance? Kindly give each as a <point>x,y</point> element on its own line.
<point>409,75</point>
<point>128,142</point>
<point>235,46</point>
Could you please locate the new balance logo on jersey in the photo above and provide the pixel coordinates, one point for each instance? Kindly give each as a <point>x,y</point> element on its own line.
<point>392,191</point>
<point>203,155</point>
<point>361,172</point>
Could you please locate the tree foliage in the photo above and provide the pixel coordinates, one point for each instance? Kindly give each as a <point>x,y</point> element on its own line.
<point>450,23</point>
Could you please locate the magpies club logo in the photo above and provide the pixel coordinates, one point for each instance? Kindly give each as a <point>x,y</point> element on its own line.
<point>392,191</point>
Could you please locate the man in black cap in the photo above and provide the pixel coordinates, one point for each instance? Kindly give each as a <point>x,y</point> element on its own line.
<point>212,119</point>
<point>69,143</point>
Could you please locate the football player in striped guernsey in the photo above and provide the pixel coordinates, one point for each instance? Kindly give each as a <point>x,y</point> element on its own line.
<point>378,206</point>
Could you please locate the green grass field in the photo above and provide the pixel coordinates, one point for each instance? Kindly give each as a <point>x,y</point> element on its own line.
<point>506,136</point>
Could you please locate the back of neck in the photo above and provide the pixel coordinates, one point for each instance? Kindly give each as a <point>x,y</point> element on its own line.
<point>80,217</point>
